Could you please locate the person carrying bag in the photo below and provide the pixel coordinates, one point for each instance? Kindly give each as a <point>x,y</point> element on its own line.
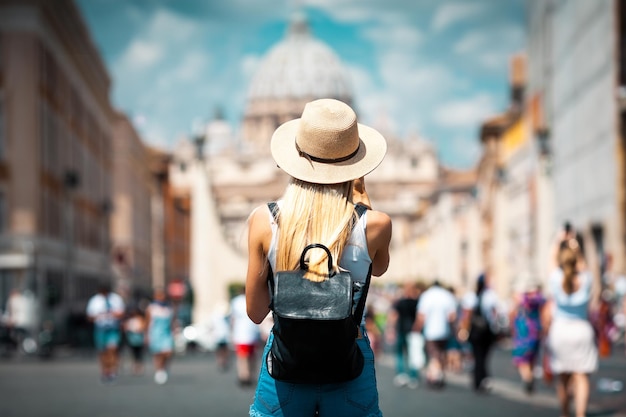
<point>310,367</point>
<point>306,315</point>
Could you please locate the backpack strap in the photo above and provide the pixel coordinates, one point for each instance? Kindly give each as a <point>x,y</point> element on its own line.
<point>360,307</point>
<point>273,209</point>
<point>360,209</point>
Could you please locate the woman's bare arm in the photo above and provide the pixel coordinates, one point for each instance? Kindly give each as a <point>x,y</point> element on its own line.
<point>378,232</point>
<point>257,293</point>
<point>378,235</point>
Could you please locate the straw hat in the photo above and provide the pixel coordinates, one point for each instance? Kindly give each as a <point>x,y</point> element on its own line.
<point>327,145</point>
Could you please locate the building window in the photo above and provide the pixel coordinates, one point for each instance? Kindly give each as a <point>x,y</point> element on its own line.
<point>2,126</point>
<point>3,212</point>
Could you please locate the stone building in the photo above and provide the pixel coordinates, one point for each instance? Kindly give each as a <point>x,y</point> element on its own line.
<point>514,191</point>
<point>55,158</point>
<point>228,184</point>
<point>447,247</point>
<point>295,71</point>
<point>131,218</point>
<point>576,72</point>
<point>557,153</point>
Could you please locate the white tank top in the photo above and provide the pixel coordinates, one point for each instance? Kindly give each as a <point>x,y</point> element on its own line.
<point>355,257</point>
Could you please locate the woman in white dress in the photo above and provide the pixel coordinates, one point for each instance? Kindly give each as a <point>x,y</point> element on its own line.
<point>571,340</point>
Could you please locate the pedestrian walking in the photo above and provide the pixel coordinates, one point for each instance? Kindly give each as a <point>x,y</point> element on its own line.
<point>571,340</point>
<point>160,335</point>
<point>245,335</point>
<point>326,153</point>
<point>436,312</point>
<point>220,333</point>
<point>134,331</point>
<point>106,309</point>
<point>21,320</point>
<point>602,314</point>
<point>526,318</point>
<point>401,320</point>
<point>620,308</point>
<point>454,347</point>
<point>480,329</point>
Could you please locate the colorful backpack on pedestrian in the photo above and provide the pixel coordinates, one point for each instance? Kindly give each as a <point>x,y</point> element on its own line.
<point>316,324</point>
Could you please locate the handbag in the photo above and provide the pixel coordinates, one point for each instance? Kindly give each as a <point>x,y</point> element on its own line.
<point>417,357</point>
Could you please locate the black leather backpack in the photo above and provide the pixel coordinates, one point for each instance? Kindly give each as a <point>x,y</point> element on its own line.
<point>316,324</point>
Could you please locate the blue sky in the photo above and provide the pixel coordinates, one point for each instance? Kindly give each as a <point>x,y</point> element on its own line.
<point>432,68</point>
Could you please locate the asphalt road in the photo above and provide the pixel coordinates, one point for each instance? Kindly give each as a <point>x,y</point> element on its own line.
<point>68,386</point>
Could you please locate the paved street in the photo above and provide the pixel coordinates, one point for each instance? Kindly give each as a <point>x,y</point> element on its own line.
<point>68,386</point>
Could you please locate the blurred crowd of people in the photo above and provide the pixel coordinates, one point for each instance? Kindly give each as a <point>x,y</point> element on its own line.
<point>561,324</point>
<point>152,327</point>
<point>431,330</point>
<point>116,326</point>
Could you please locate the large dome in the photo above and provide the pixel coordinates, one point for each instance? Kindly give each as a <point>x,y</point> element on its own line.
<point>300,67</point>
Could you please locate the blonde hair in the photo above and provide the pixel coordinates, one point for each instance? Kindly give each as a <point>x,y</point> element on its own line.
<point>314,213</point>
<point>568,258</point>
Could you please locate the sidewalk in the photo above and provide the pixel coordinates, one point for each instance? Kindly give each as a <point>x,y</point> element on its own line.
<point>505,382</point>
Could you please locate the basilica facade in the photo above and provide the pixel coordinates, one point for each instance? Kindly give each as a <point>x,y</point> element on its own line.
<point>230,175</point>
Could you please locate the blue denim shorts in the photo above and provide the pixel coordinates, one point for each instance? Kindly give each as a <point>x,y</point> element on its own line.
<point>356,398</point>
<point>106,338</point>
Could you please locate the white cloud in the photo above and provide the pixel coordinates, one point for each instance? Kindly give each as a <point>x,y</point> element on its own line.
<point>162,35</point>
<point>478,46</point>
<point>430,78</point>
<point>449,14</point>
<point>139,55</point>
<point>192,67</point>
<point>171,28</point>
<point>472,42</point>
<point>343,10</point>
<point>409,74</point>
<point>386,36</point>
<point>465,113</point>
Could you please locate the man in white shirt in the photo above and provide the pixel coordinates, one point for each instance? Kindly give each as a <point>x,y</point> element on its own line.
<point>105,310</point>
<point>489,305</point>
<point>21,317</point>
<point>245,336</point>
<point>436,311</point>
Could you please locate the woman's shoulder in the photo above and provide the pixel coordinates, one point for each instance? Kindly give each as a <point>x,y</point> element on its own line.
<point>259,217</point>
<point>378,224</point>
<point>377,218</point>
